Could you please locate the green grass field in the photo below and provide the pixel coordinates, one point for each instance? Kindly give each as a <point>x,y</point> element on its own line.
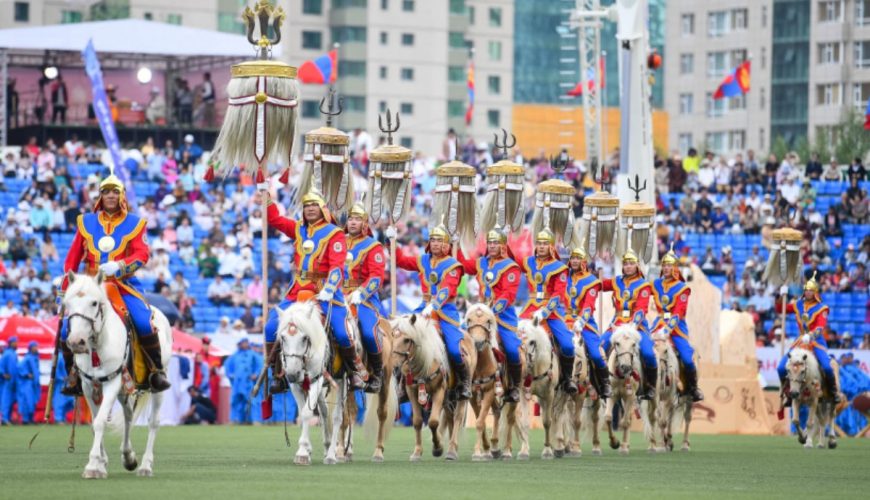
<point>253,462</point>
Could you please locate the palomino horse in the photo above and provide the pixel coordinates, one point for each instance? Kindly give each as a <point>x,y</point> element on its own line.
<point>101,343</point>
<point>304,351</point>
<point>543,369</point>
<point>805,387</point>
<point>379,414</point>
<point>659,414</point>
<point>482,327</point>
<point>624,365</point>
<point>586,396</point>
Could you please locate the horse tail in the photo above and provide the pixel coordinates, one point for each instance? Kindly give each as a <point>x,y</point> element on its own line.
<point>647,412</point>
<point>141,402</point>
<point>372,421</point>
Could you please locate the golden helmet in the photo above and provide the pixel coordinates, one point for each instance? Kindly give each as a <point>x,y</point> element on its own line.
<point>580,253</point>
<point>495,234</point>
<point>359,210</point>
<point>112,181</point>
<point>811,284</point>
<point>671,257</point>
<point>313,196</point>
<point>629,256</point>
<point>545,236</point>
<point>439,232</point>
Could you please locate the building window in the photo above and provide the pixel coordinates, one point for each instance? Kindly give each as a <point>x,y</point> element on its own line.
<point>150,17</point>
<point>471,14</point>
<point>385,4</point>
<point>739,19</point>
<point>684,142</point>
<point>312,40</point>
<point>830,11</point>
<point>355,103</point>
<point>762,101</point>
<point>687,24</point>
<point>407,39</point>
<point>494,50</point>
<point>227,23</point>
<point>862,54</point>
<point>715,107</point>
<point>717,23</point>
<point>408,5</point>
<point>829,53</point>
<point>455,109</point>
<point>407,142</point>
<point>382,107</point>
<point>687,104</point>
<point>764,16</point>
<point>70,16</point>
<point>173,19</point>
<point>736,139</point>
<point>312,7</point>
<point>495,16</point>
<point>761,138</point>
<point>457,40</point>
<point>382,71</point>
<point>829,94</point>
<point>384,38</point>
<point>736,102</point>
<point>717,64</point>
<point>493,118</point>
<point>494,84</point>
<point>457,7</point>
<point>407,74</point>
<point>351,68</point>
<point>687,64</point>
<point>22,12</point>
<point>338,4</point>
<point>456,74</point>
<point>407,108</point>
<point>716,141</point>
<point>763,57</point>
<point>738,56</point>
<point>345,34</point>
<point>310,109</point>
<point>862,12</point>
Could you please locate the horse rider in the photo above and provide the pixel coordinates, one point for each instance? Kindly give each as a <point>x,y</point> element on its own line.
<point>113,240</point>
<point>583,291</point>
<point>364,276</point>
<point>548,281</point>
<point>671,298</point>
<point>631,293</point>
<point>440,275</point>
<point>319,257</point>
<point>811,316</point>
<point>499,279</point>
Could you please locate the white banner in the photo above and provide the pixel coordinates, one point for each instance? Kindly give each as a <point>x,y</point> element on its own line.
<point>769,358</point>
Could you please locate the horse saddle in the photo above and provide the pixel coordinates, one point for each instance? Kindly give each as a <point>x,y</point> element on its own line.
<point>137,361</point>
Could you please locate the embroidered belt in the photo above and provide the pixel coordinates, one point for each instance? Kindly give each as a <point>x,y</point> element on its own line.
<point>427,297</point>
<point>349,286</point>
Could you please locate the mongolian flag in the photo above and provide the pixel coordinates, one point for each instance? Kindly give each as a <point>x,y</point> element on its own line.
<point>867,116</point>
<point>736,83</point>
<point>590,80</point>
<point>470,109</point>
<point>322,70</point>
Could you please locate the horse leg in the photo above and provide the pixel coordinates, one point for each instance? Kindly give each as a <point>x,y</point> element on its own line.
<point>625,426</point>
<point>687,420</point>
<point>337,417</point>
<point>305,402</point>
<point>486,405</point>
<point>477,455</point>
<point>455,424</point>
<point>523,425</point>
<point>127,453</point>
<point>494,438</point>
<point>547,420</point>
<point>596,428</point>
<point>608,422</point>
<point>146,468</point>
<point>796,422</point>
<point>96,467</point>
<point>574,448</point>
<point>434,421</point>
<point>383,398</point>
<point>812,422</point>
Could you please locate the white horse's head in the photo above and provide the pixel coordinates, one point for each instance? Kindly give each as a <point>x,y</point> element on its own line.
<point>85,307</point>
<point>481,325</point>
<point>626,349</point>
<point>536,342</point>
<point>416,340</point>
<point>802,368</point>
<point>302,338</point>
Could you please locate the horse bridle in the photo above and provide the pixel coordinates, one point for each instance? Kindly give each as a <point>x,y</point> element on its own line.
<point>531,362</point>
<point>91,321</point>
<point>630,361</point>
<point>93,337</point>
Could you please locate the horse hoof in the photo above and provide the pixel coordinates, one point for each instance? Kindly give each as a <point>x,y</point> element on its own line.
<point>437,452</point>
<point>597,452</point>
<point>523,457</point>
<point>559,453</point>
<point>145,473</point>
<point>547,454</point>
<point>614,445</point>
<point>330,461</point>
<point>476,457</point>
<point>652,450</point>
<point>302,460</point>
<point>131,465</point>
<point>378,459</point>
<point>94,474</point>
<point>832,444</point>
<point>414,458</point>
<point>808,446</point>
<point>670,446</point>
<point>623,451</point>
<point>496,454</point>
<point>685,448</point>
<point>451,456</point>
<point>802,440</point>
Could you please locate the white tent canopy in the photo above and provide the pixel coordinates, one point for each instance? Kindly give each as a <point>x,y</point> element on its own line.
<point>129,36</point>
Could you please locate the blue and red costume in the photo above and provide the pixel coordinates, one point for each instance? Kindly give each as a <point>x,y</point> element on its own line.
<point>548,282</point>
<point>671,299</point>
<point>812,319</point>
<point>630,302</point>
<point>583,291</point>
<point>364,272</point>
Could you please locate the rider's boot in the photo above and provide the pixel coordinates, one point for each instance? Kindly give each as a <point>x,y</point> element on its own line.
<point>566,375</point>
<point>603,376</point>
<point>515,379</point>
<point>463,380</point>
<point>784,391</point>
<point>73,384</point>
<point>648,390</point>
<point>151,346</point>
<point>831,388</point>
<point>353,363</point>
<point>692,385</point>
<point>279,383</point>
<point>376,375</point>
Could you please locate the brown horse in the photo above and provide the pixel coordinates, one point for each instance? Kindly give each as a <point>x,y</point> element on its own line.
<point>417,349</point>
<point>379,417</point>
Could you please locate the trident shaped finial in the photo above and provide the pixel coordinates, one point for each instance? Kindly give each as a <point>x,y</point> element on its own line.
<point>262,12</point>
<point>560,163</point>
<point>505,145</point>
<point>330,111</point>
<point>637,190</point>
<point>390,130</point>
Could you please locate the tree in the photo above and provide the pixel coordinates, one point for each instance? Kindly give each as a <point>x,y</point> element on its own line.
<point>851,138</point>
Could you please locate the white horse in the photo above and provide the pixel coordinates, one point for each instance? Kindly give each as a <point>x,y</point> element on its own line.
<point>660,413</point>
<point>96,329</point>
<point>543,368</point>
<point>624,365</point>
<point>304,354</point>
<point>572,417</point>
<point>805,387</point>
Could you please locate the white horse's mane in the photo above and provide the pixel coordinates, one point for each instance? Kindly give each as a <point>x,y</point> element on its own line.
<point>307,317</point>
<point>429,347</point>
<point>487,311</point>
<point>625,330</point>
<point>538,335</point>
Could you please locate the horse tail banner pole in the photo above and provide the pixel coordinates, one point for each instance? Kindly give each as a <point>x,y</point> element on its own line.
<point>49,399</point>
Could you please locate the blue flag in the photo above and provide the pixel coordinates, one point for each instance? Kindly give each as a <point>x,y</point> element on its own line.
<point>104,116</point>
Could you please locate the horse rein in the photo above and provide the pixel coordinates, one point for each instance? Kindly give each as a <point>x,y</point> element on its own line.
<point>531,363</point>
<point>631,362</point>
<point>93,337</point>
